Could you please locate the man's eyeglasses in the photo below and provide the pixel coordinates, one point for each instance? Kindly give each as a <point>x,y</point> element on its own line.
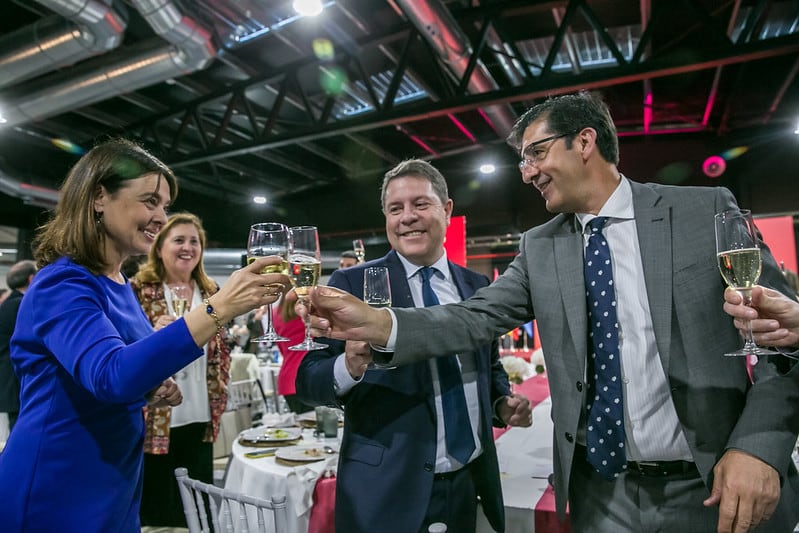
<point>533,155</point>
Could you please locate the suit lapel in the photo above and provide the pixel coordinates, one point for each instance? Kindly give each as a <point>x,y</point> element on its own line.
<point>569,270</point>
<point>653,224</point>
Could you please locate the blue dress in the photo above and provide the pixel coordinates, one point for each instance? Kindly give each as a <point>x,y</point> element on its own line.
<point>86,356</point>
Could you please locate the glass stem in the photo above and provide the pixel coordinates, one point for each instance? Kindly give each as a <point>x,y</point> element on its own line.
<point>307,321</point>
<point>269,327</point>
<point>749,339</point>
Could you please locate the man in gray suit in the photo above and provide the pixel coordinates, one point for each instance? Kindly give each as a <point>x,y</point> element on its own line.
<point>704,448</point>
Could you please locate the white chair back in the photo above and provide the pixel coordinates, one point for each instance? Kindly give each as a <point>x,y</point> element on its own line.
<point>200,499</point>
<point>246,393</point>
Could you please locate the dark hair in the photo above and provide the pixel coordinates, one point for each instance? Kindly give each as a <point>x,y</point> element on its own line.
<point>73,230</point>
<point>572,112</point>
<point>18,275</point>
<point>349,254</point>
<point>153,271</point>
<point>419,168</point>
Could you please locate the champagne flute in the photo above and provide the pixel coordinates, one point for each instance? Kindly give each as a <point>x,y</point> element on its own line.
<point>377,293</point>
<point>738,252</point>
<point>179,299</point>
<point>269,238</point>
<point>359,249</point>
<point>305,267</point>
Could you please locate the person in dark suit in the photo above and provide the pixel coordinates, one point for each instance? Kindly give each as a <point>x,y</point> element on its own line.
<point>397,471</point>
<point>702,447</point>
<point>18,278</point>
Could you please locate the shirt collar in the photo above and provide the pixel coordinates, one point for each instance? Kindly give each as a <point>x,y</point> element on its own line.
<point>618,206</point>
<point>442,265</point>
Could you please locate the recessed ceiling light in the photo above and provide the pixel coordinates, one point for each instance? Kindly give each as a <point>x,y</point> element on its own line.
<point>259,199</point>
<point>487,168</point>
<point>308,8</point>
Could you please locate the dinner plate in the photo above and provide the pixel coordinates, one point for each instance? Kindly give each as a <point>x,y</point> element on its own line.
<point>303,454</point>
<point>264,434</point>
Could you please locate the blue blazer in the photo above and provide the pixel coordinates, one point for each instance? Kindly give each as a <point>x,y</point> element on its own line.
<point>388,450</point>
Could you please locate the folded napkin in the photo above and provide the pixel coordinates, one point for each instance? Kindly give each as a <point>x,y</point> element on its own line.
<point>302,480</point>
<point>276,420</point>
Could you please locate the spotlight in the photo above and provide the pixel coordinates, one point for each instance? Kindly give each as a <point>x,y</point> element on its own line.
<point>487,168</point>
<point>714,166</point>
<point>308,8</point>
<point>259,199</point>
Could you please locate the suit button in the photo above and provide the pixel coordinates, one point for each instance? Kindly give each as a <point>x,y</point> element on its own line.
<point>569,437</point>
<point>579,386</point>
<point>428,467</point>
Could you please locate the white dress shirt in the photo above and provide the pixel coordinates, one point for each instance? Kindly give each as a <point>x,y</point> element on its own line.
<point>653,431</point>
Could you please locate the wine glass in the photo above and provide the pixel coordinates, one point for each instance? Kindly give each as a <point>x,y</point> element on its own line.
<point>738,252</point>
<point>179,299</point>
<point>305,267</point>
<point>359,249</point>
<point>269,238</point>
<point>377,293</point>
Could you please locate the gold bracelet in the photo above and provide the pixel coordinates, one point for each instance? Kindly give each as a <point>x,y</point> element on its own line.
<point>212,313</point>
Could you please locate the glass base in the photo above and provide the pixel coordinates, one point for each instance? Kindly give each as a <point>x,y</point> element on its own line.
<point>307,346</point>
<point>378,366</point>
<point>270,337</point>
<point>752,350</point>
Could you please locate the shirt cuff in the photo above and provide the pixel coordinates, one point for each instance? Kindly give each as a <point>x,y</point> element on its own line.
<point>342,379</point>
<point>392,337</point>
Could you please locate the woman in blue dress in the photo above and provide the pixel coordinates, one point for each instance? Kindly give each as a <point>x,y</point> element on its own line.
<point>86,355</point>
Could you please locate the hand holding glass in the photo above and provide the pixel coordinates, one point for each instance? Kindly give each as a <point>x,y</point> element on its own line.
<point>305,267</point>
<point>738,255</point>
<point>269,238</point>
<point>377,293</point>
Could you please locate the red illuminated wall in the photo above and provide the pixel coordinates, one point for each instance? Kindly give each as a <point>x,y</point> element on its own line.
<point>778,233</point>
<point>455,240</point>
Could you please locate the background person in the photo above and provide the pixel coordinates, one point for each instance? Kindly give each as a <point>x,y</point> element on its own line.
<point>348,258</point>
<point>87,356</point>
<point>18,278</point>
<point>289,325</point>
<point>710,449</point>
<point>182,435</point>
<point>394,440</point>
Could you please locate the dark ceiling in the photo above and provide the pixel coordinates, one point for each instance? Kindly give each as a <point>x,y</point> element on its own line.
<point>244,98</point>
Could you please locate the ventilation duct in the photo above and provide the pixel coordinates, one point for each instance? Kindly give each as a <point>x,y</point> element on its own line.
<point>29,194</point>
<point>124,71</point>
<point>442,32</point>
<point>82,28</point>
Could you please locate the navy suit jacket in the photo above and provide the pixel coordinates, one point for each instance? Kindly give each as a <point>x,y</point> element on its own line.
<point>9,384</point>
<point>388,449</point>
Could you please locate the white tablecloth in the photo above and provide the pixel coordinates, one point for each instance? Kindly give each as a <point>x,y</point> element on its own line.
<point>264,477</point>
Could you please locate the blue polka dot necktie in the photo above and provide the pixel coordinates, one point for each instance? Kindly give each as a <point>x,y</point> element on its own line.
<point>457,428</point>
<point>605,420</point>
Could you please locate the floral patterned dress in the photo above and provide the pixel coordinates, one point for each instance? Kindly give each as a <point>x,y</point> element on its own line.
<point>153,302</point>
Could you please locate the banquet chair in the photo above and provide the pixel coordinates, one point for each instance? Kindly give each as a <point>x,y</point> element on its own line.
<point>228,508</point>
<point>247,393</point>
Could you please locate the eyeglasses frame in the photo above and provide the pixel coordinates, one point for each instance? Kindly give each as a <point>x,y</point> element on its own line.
<point>524,162</point>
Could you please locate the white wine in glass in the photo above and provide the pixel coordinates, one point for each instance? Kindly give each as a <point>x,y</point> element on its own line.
<point>305,268</point>
<point>179,299</point>
<point>738,256</point>
<point>269,238</point>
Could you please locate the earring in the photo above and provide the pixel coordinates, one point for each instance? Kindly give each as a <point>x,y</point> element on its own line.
<point>98,219</point>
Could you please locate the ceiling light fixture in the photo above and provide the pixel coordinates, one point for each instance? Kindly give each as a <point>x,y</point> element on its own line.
<point>487,168</point>
<point>308,8</point>
<point>260,200</point>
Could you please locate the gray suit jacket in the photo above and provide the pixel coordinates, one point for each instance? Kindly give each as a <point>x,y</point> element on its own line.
<point>717,406</point>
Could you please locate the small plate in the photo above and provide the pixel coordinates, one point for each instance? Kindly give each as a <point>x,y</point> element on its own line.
<point>303,454</point>
<point>262,434</point>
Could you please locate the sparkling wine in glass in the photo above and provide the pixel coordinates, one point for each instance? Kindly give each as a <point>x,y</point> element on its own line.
<point>377,293</point>
<point>269,238</point>
<point>179,296</point>
<point>359,249</point>
<point>305,267</point>
<point>738,253</point>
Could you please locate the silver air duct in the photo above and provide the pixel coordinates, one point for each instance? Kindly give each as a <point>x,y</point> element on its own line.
<point>109,76</point>
<point>435,23</point>
<point>91,28</point>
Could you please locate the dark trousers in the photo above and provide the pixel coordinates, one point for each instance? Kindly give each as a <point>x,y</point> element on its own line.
<point>161,504</point>
<point>453,502</point>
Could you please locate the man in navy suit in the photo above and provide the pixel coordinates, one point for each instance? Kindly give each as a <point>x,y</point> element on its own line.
<point>396,471</point>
